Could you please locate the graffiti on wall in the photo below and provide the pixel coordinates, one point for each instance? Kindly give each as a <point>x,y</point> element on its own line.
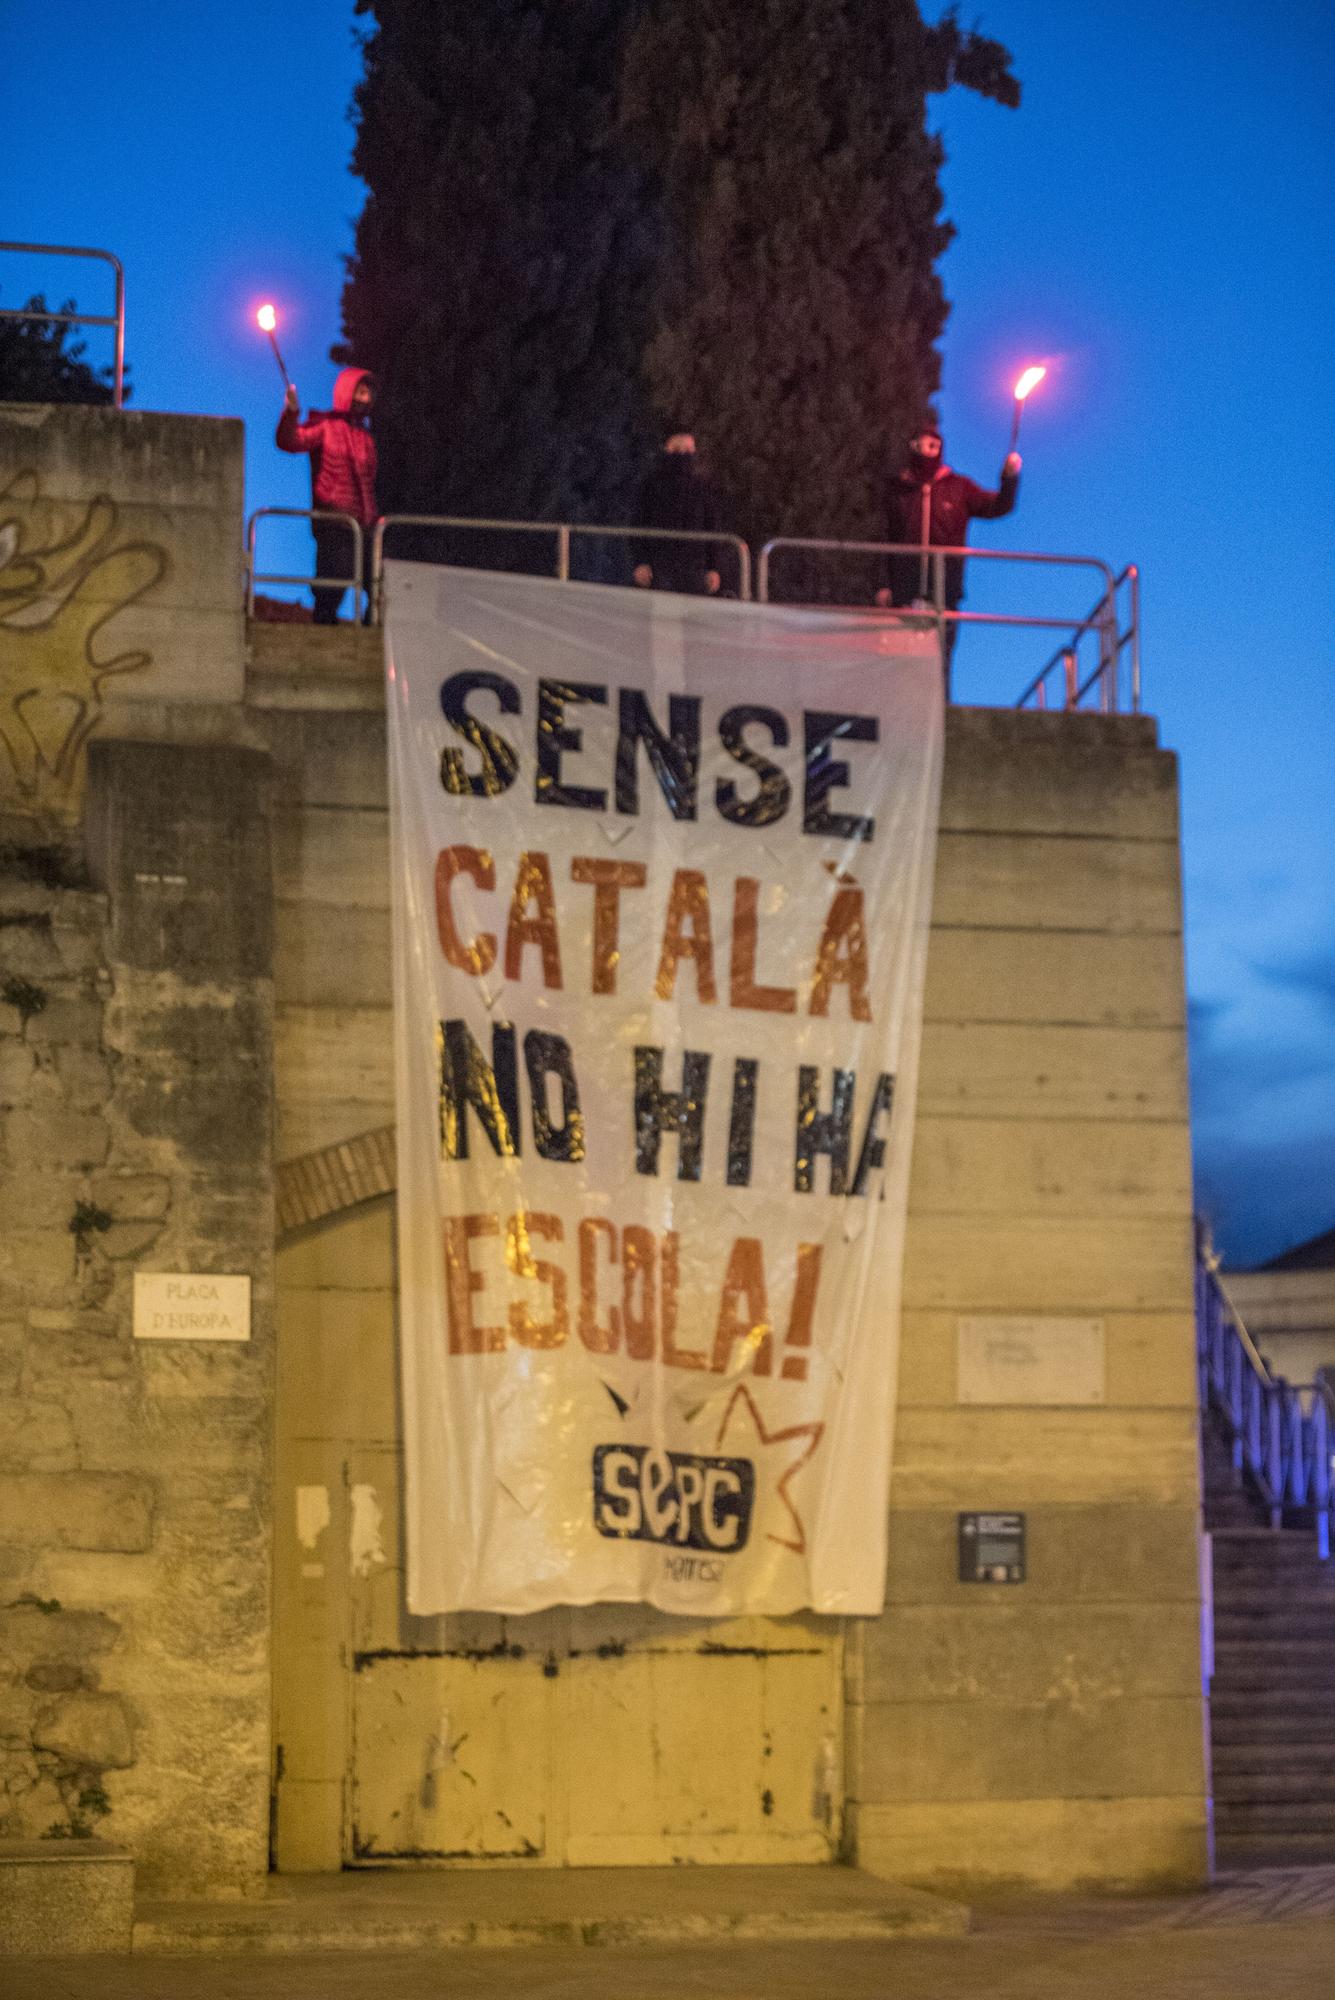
<point>67,574</point>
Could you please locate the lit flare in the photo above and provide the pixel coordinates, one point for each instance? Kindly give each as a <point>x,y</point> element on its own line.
<point>1028,381</point>
<point>267,321</point>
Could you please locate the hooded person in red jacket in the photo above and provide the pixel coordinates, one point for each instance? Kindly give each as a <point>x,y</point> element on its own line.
<point>931,505</point>
<point>342,479</point>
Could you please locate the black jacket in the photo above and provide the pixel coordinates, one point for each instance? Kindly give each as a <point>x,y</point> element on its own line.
<point>677,495</point>
<point>953,502</point>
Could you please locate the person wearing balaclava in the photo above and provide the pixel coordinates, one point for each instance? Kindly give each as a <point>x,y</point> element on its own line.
<point>343,468</point>
<point>931,505</point>
<point>677,494</point>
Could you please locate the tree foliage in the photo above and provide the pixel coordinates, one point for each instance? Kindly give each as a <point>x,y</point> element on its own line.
<point>41,363</point>
<point>587,217</point>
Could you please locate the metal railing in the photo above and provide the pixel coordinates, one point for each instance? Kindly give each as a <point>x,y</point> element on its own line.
<point>1280,1434</point>
<point>1116,641</point>
<point>1102,622</point>
<point>340,583</point>
<point>565,533</point>
<point>116,319</point>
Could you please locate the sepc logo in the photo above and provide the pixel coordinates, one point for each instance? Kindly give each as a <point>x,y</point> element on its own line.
<point>643,1495</point>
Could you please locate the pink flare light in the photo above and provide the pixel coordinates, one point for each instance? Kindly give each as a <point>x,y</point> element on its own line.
<point>1028,381</point>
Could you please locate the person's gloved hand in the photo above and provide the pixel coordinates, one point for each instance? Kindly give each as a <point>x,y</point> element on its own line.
<point>291,401</point>
<point>1012,466</point>
<point>644,575</point>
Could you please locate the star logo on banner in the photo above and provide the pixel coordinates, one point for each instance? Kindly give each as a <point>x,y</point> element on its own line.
<point>812,1433</point>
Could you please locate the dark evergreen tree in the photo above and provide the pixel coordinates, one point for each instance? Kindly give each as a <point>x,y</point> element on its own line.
<point>40,363</point>
<point>800,304</point>
<point>589,217</point>
<point>498,280</point>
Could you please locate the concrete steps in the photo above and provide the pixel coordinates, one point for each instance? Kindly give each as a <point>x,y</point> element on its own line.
<point>1272,1699</point>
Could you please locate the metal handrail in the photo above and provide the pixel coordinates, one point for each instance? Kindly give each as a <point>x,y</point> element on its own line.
<point>116,319</point>
<point>1280,1433</point>
<point>564,532</point>
<point>253,576</point>
<point>1113,643</point>
<point>1101,619</point>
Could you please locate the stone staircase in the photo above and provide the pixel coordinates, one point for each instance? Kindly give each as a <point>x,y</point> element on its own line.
<point>1272,1705</point>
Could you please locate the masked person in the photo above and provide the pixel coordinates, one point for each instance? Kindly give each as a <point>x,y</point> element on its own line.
<point>343,465</point>
<point>677,494</point>
<point>931,505</point>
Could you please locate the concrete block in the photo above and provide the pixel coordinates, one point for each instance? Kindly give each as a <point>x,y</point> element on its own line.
<point>1031,881</point>
<point>326,854</point>
<point>1001,1459</point>
<point>178,834</point>
<point>999,1646</point>
<point>1081,1553</point>
<point>65,1898</point>
<point>77,1510</point>
<point>325,1056</point>
<point>325,958</point>
<point>158,498</point>
<point>309,1832</point>
<point>356,1253</point>
<point>1149,1359</point>
<point>1068,1167</point>
<point>1032,1070</point>
<point>1150,1843</point>
<point>1013,772</point>
<point>1029,1264</point>
<point>928,1752</point>
<point>1076,978</point>
<point>322,758</point>
<point>337,1358</point>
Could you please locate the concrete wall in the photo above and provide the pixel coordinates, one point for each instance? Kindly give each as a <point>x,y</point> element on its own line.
<point>1051,1732</point>
<point>120,582</point>
<point>149,1021</point>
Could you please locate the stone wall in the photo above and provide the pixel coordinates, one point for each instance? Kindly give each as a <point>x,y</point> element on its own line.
<point>135,1060</point>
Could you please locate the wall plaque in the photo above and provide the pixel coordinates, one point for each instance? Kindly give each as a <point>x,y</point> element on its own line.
<point>1010,1359</point>
<point>190,1305</point>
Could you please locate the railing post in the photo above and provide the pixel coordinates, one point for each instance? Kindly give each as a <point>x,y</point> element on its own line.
<point>563,553</point>
<point>1072,678</point>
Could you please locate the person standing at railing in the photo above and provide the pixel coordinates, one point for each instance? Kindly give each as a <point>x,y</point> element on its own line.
<point>343,467</point>
<point>931,505</point>
<point>677,494</point>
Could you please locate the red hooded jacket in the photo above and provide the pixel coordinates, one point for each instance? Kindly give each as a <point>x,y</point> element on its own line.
<point>342,452</point>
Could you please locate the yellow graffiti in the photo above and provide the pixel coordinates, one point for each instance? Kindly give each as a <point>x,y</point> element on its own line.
<point>61,585</point>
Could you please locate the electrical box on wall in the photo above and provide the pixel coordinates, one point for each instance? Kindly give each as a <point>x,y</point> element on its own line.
<point>991,1548</point>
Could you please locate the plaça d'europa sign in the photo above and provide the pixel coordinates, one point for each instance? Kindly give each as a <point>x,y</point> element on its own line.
<point>662,873</point>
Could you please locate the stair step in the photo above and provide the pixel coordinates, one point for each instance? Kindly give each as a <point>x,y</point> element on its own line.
<point>1238,1817</point>
<point>1301,1788</point>
<point>1252,1758</point>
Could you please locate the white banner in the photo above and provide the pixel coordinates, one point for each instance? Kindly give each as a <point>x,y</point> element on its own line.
<point>662,874</point>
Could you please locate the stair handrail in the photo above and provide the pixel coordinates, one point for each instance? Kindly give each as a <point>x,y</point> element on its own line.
<point>1279,1432</point>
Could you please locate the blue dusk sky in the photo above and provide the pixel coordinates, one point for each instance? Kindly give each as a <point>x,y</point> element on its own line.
<point>1157,221</point>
